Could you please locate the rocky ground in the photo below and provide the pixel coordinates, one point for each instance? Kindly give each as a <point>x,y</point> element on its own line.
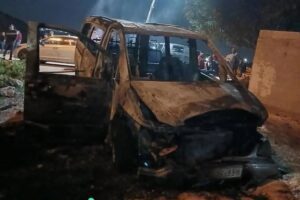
<point>284,134</point>
<point>11,88</point>
<point>12,105</point>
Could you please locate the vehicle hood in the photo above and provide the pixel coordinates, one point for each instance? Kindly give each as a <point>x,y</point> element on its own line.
<point>174,102</point>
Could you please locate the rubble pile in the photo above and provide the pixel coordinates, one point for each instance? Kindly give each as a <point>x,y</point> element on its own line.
<point>8,91</point>
<point>11,99</point>
<point>11,89</point>
<point>293,181</point>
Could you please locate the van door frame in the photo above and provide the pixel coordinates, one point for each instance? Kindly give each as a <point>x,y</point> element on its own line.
<point>35,82</point>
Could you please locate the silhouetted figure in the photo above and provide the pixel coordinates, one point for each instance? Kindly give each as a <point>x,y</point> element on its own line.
<point>18,39</point>
<point>2,41</point>
<point>201,61</point>
<point>233,60</point>
<point>10,37</point>
<point>214,65</point>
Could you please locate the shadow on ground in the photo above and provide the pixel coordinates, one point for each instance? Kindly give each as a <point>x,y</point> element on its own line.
<point>38,165</point>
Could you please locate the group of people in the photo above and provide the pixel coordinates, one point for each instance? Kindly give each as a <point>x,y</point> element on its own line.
<point>211,63</point>
<point>10,40</point>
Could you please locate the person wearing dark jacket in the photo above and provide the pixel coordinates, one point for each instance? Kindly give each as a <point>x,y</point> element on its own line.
<point>2,41</point>
<point>10,37</point>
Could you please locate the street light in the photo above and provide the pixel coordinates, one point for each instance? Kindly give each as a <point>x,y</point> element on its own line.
<point>150,11</point>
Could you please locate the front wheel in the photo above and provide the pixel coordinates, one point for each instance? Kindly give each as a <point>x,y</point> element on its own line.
<point>124,147</point>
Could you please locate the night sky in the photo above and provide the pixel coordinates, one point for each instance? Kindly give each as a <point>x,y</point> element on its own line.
<point>73,12</point>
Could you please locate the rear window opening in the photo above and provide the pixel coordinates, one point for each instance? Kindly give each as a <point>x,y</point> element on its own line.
<point>165,58</point>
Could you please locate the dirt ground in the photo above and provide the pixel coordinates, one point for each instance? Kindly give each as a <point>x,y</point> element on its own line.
<point>284,135</point>
<point>37,164</point>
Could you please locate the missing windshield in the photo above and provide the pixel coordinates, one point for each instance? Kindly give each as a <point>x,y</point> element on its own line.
<point>164,58</point>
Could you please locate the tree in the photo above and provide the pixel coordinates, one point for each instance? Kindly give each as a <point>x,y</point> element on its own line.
<point>239,21</point>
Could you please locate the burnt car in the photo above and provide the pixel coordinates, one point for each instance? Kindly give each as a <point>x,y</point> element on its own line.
<point>161,114</point>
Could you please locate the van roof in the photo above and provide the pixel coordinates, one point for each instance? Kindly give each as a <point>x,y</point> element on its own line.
<point>148,28</point>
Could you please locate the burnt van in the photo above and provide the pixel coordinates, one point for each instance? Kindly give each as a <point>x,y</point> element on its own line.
<point>162,115</point>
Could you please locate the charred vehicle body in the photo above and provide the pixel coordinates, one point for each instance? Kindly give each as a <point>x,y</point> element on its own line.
<point>163,115</point>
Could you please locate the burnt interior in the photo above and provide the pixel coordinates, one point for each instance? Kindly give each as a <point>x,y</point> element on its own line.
<point>222,133</point>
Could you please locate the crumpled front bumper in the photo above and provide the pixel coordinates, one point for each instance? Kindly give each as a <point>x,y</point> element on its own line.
<point>257,169</point>
<point>257,166</point>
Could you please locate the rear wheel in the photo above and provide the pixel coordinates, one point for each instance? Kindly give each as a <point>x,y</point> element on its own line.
<point>124,147</point>
<point>22,54</point>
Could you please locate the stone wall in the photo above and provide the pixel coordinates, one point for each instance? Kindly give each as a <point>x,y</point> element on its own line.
<point>276,72</point>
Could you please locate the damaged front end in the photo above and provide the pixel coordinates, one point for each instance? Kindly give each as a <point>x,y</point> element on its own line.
<point>210,147</point>
<point>192,143</point>
<point>189,122</point>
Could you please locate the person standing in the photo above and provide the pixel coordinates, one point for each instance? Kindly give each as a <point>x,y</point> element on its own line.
<point>215,65</point>
<point>201,61</point>
<point>233,60</point>
<point>10,37</point>
<point>18,39</point>
<point>2,41</point>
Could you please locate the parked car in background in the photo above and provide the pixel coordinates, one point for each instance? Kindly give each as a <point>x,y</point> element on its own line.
<point>56,48</point>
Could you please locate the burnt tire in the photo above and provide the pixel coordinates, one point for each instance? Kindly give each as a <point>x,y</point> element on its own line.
<point>124,148</point>
<point>22,54</point>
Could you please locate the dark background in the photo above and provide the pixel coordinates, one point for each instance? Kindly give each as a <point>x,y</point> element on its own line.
<point>73,12</point>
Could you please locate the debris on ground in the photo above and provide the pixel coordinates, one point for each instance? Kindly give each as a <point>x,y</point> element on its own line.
<point>283,133</point>
<point>201,196</point>
<point>15,83</point>
<point>11,109</point>
<point>275,190</point>
<point>293,181</point>
<point>8,91</point>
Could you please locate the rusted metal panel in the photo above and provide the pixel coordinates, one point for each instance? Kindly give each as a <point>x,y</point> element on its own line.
<point>135,27</point>
<point>173,102</point>
<point>62,100</point>
<point>56,99</point>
